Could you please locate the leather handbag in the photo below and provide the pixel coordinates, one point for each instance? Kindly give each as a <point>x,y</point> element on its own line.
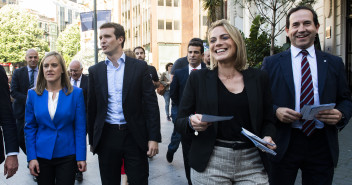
<point>161,89</point>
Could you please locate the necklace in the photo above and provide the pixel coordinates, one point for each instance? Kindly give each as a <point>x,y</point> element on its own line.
<point>226,77</point>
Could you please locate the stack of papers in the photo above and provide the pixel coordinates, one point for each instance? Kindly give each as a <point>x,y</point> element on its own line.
<point>309,111</point>
<point>258,142</point>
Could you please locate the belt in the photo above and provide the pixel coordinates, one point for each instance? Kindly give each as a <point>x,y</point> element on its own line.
<point>117,126</point>
<point>234,146</point>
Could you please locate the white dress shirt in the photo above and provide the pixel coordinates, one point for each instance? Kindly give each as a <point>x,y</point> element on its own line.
<point>190,68</point>
<point>78,81</point>
<point>52,104</point>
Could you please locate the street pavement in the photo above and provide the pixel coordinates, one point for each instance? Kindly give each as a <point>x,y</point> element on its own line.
<point>163,173</point>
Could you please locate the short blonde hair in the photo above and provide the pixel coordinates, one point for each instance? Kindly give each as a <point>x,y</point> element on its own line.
<point>241,54</point>
<point>65,80</point>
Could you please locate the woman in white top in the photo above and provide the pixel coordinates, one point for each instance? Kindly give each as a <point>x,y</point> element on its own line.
<point>165,79</point>
<point>55,129</point>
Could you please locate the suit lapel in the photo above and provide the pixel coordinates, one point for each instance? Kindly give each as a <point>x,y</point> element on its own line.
<point>127,77</point>
<point>322,66</point>
<point>286,67</point>
<point>45,97</point>
<point>250,85</point>
<point>26,77</point>
<point>211,90</point>
<point>103,80</point>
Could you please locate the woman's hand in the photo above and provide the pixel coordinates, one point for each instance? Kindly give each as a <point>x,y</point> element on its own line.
<point>34,167</point>
<point>197,124</point>
<point>82,166</point>
<point>269,140</point>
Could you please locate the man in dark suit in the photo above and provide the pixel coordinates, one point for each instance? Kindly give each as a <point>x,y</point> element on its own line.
<point>140,55</point>
<point>194,56</point>
<point>123,112</point>
<point>79,80</point>
<point>8,131</point>
<point>299,76</point>
<point>23,79</point>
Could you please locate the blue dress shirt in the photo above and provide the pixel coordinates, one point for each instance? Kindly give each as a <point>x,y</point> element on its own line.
<point>115,86</point>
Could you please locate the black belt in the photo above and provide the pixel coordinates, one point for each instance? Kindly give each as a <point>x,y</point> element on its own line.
<point>235,146</point>
<point>117,126</point>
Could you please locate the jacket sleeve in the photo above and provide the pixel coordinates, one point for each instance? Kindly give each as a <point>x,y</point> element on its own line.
<point>174,88</point>
<point>80,127</point>
<point>269,128</point>
<point>92,105</point>
<point>31,127</point>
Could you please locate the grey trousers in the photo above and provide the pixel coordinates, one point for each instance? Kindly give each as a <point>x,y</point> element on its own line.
<point>228,166</point>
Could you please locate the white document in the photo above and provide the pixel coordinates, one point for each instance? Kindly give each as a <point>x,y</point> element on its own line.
<point>309,111</point>
<point>211,118</point>
<point>258,142</point>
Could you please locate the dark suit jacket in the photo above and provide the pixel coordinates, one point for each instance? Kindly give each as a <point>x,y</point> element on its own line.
<point>139,102</point>
<point>8,133</point>
<point>201,96</point>
<point>19,89</point>
<point>332,87</point>
<point>179,82</point>
<point>84,86</point>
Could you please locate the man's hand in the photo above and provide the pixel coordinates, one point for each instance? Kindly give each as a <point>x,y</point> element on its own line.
<point>10,166</point>
<point>331,117</point>
<point>82,166</point>
<point>269,140</point>
<point>34,167</point>
<point>152,148</point>
<point>197,124</point>
<point>287,115</point>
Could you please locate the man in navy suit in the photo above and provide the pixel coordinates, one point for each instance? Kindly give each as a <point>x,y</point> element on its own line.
<point>299,76</point>
<point>194,56</point>
<point>23,79</point>
<point>123,111</point>
<point>8,133</point>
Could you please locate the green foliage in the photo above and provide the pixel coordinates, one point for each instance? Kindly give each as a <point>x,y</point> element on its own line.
<point>68,42</point>
<point>19,32</point>
<point>258,44</point>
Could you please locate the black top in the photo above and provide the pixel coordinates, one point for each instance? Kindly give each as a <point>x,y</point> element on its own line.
<point>230,104</point>
<point>153,73</point>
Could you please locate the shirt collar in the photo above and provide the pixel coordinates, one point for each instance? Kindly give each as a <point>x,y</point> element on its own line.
<point>79,79</point>
<point>121,59</point>
<point>296,51</point>
<point>30,69</point>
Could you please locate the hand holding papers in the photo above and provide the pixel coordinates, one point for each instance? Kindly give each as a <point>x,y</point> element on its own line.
<point>310,111</point>
<point>258,142</point>
<point>211,118</point>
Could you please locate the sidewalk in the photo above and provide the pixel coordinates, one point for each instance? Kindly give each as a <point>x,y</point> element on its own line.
<point>163,173</point>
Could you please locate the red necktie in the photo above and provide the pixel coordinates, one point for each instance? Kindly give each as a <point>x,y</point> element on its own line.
<point>307,93</point>
<point>194,69</point>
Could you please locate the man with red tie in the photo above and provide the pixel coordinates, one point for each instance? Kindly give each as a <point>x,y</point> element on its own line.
<point>302,76</point>
<point>194,56</point>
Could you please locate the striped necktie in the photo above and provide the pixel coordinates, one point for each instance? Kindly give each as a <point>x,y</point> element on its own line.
<point>307,93</point>
<point>31,81</point>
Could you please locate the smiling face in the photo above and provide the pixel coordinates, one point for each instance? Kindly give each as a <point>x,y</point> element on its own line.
<point>52,69</point>
<point>75,70</point>
<point>221,45</point>
<point>301,29</point>
<point>32,58</point>
<point>108,42</point>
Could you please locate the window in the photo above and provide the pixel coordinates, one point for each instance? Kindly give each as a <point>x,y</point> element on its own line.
<point>176,25</point>
<point>168,2</point>
<point>160,2</point>
<point>168,25</point>
<point>69,16</point>
<point>160,24</point>
<point>176,3</point>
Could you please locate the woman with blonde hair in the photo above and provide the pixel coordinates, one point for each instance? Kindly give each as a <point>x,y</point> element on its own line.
<point>55,129</point>
<point>219,153</point>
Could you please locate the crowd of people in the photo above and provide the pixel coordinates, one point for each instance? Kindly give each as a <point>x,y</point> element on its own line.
<point>116,105</point>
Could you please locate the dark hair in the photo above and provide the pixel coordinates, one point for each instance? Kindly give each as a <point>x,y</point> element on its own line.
<point>138,47</point>
<point>119,30</point>
<point>197,44</point>
<point>293,10</point>
<point>167,65</point>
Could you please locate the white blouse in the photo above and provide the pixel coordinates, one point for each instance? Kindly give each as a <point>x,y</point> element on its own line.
<point>52,104</point>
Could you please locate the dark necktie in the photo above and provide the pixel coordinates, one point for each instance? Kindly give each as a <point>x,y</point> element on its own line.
<point>194,69</point>
<point>31,81</point>
<point>307,92</point>
<point>75,83</point>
